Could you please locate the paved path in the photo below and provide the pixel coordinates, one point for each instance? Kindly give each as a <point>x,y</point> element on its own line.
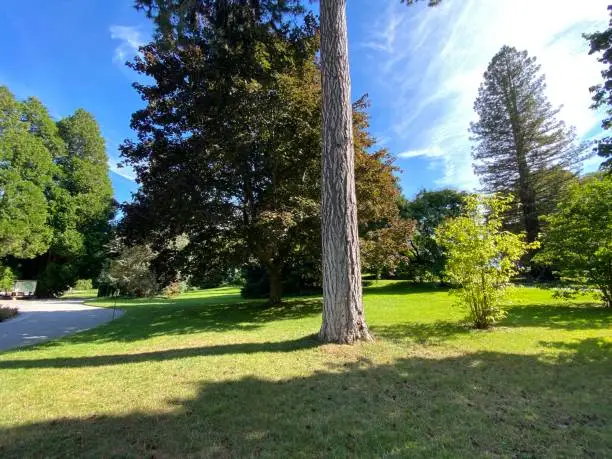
<point>42,320</point>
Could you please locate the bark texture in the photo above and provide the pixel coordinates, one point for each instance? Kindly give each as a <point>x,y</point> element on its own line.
<point>343,314</point>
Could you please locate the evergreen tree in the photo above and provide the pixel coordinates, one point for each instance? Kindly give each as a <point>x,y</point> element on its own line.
<point>520,141</point>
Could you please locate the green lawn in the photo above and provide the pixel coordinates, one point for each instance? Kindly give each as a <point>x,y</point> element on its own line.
<point>211,375</point>
<point>92,293</point>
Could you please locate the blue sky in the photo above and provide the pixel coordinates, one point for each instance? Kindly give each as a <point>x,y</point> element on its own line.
<point>421,68</point>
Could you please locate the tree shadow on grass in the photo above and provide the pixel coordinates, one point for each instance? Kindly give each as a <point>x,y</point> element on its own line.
<point>400,288</point>
<point>567,317</point>
<point>480,405</point>
<point>160,356</point>
<point>186,317</point>
<point>421,333</point>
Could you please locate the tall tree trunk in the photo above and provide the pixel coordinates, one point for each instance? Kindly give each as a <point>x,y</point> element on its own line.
<point>343,314</point>
<point>276,286</point>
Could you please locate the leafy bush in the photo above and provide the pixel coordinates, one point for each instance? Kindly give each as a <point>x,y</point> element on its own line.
<point>7,312</point>
<point>481,258</point>
<point>83,284</point>
<point>173,289</point>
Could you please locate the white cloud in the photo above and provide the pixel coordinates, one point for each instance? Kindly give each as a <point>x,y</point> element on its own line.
<point>431,62</point>
<point>434,152</point>
<point>131,40</point>
<point>125,172</point>
<point>113,161</point>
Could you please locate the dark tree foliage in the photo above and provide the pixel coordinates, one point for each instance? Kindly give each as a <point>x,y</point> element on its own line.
<point>429,209</point>
<point>228,145</point>
<point>601,44</point>
<point>522,148</point>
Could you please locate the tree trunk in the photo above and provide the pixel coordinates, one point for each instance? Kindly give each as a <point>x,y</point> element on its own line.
<point>276,286</point>
<point>343,314</point>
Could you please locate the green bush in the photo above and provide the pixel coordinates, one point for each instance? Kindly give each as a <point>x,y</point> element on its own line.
<point>481,257</point>
<point>83,284</point>
<point>173,289</point>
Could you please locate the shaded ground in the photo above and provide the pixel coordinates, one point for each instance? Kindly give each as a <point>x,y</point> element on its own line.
<point>42,320</point>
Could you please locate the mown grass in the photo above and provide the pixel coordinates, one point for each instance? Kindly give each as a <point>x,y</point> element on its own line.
<point>211,375</point>
<point>87,294</point>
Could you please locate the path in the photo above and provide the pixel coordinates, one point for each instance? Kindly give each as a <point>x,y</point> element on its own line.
<point>42,320</point>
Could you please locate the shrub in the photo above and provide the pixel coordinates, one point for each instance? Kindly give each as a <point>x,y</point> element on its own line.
<point>7,312</point>
<point>173,289</point>
<point>481,258</point>
<point>131,273</point>
<point>83,284</point>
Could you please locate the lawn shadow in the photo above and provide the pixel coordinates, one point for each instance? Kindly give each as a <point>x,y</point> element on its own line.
<point>144,319</point>
<point>400,288</point>
<point>484,404</point>
<point>421,333</point>
<point>567,317</point>
<point>305,342</point>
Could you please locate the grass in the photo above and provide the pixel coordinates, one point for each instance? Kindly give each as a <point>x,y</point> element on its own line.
<point>91,293</point>
<point>211,375</point>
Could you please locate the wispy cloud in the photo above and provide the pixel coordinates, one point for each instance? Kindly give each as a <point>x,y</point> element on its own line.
<point>131,39</point>
<point>431,62</point>
<point>113,161</point>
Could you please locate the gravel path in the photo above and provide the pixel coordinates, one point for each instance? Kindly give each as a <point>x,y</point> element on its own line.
<point>42,320</point>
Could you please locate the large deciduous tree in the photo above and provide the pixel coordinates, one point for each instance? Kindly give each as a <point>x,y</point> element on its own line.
<point>522,148</point>
<point>227,150</point>
<point>601,44</point>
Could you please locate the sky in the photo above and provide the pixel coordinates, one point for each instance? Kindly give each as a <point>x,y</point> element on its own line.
<point>421,68</point>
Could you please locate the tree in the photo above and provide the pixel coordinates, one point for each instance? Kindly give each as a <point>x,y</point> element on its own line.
<point>85,177</point>
<point>601,43</point>
<point>429,209</point>
<point>343,313</point>
<point>481,257</point>
<point>228,143</point>
<point>520,141</point>
<point>579,236</point>
<point>81,203</point>
<point>25,179</point>
<point>56,198</point>
<point>130,273</point>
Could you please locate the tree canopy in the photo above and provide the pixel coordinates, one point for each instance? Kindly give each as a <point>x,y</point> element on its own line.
<point>579,237</point>
<point>56,197</point>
